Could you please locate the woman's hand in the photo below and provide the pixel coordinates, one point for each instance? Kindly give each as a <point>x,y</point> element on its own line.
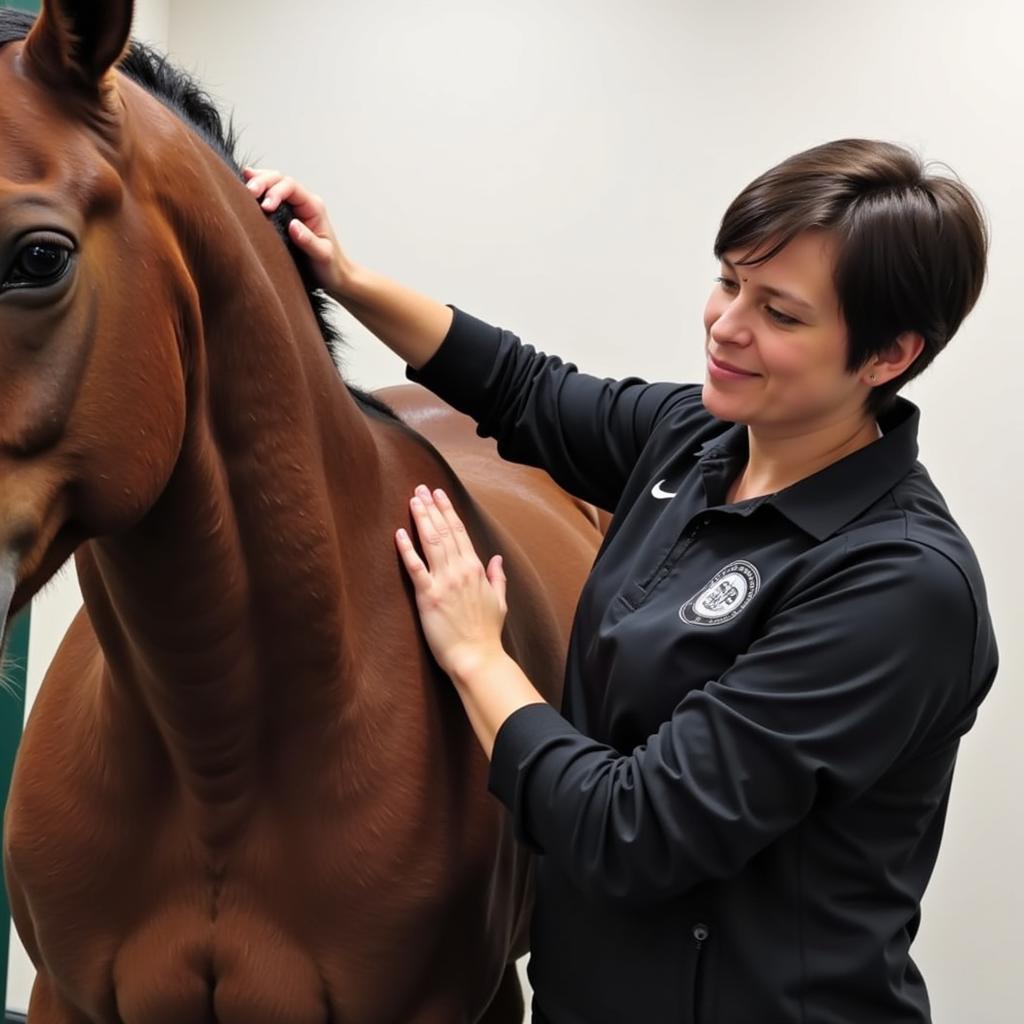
<point>413,326</point>
<point>310,229</point>
<point>462,608</point>
<point>461,604</point>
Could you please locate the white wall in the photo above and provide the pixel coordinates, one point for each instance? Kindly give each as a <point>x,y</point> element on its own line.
<point>560,166</point>
<point>152,22</point>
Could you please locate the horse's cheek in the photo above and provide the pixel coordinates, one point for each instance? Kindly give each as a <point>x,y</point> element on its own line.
<point>44,349</point>
<point>128,425</point>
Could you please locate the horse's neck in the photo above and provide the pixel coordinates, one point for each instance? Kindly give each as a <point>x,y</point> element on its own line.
<point>231,601</point>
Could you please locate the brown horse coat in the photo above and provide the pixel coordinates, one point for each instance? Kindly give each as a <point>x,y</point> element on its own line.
<point>245,795</point>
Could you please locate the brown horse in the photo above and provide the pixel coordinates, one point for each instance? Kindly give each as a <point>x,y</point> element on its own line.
<point>245,794</point>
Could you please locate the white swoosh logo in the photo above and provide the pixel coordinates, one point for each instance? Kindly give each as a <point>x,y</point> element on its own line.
<point>657,492</point>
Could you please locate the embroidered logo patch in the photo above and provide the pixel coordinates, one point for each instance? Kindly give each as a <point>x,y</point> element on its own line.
<point>724,596</point>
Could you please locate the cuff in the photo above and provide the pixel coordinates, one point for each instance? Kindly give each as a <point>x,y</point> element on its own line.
<point>459,368</point>
<point>522,738</point>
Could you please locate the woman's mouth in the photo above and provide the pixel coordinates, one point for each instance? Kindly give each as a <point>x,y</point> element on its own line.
<point>726,371</point>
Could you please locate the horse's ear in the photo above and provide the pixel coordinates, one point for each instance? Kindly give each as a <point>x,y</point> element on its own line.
<point>76,42</point>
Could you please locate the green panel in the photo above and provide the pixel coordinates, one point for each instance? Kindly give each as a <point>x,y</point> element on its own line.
<point>22,5</point>
<point>12,717</point>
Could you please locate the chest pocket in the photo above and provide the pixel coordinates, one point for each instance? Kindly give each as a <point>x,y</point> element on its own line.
<point>638,593</point>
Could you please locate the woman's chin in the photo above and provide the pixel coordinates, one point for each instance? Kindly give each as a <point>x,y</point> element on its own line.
<point>722,406</point>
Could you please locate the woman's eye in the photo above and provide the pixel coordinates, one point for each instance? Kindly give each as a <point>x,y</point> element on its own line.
<point>38,264</point>
<point>727,284</point>
<point>781,318</point>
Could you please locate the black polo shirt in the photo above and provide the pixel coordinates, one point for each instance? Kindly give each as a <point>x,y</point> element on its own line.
<point>740,805</point>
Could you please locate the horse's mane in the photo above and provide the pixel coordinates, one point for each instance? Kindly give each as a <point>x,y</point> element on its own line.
<point>182,94</point>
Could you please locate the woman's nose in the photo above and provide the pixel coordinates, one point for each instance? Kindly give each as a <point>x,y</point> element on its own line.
<point>731,327</point>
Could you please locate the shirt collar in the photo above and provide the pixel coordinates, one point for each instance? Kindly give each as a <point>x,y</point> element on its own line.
<point>825,502</point>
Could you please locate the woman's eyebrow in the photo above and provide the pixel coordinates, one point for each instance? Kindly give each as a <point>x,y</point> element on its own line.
<point>777,292</point>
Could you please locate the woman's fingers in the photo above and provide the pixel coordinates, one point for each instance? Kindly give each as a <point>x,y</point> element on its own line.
<point>278,192</point>
<point>259,179</point>
<point>446,544</point>
<point>315,246</point>
<point>460,539</point>
<point>445,531</point>
<point>269,187</point>
<point>439,522</point>
<point>496,577</point>
<point>308,207</point>
<point>418,572</point>
<point>435,540</point>
<point>277,188</point>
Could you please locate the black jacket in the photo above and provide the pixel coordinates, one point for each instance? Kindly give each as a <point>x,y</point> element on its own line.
<point>739,812</point>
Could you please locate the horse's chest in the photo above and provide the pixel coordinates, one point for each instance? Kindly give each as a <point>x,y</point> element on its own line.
<point>250,968</point>
<point>295,922</point>
<point>312,901</point>
<point>180,967</point>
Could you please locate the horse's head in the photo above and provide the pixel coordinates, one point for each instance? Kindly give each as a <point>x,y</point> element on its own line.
<point>78,376</point>
<point>111,209</point>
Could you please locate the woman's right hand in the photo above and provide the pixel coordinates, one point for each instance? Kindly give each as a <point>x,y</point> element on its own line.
<point>413,326</point>
<point>310,229</point>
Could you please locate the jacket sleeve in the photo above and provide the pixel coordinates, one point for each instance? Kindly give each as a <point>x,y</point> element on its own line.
<point>585,432</point>
<point>848,677</point>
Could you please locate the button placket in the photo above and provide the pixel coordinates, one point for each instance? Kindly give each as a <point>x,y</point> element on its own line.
<point>648,586</point>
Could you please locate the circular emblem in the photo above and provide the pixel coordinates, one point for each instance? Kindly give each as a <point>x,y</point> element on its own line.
<point>724,596</point>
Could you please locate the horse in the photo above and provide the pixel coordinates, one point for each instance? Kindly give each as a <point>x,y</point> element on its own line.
<point>245,793</point>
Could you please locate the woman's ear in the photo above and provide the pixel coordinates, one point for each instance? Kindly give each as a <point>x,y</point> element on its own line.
<point>894,361</point>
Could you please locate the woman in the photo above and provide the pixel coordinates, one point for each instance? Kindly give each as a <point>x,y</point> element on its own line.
<point>784,637</point>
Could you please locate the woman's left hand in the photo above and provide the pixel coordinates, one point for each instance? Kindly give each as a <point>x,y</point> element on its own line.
<point>461,604</point>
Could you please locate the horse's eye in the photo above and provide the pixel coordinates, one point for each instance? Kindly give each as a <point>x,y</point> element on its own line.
<point>38,264</point>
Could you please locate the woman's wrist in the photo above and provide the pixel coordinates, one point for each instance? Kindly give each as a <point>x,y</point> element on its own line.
<point>351,285</point>
<point>492,687</point>
<point>412,325</point>
<point>477,669</point>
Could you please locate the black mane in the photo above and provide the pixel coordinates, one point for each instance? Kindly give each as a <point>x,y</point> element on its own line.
<point>185,97</point>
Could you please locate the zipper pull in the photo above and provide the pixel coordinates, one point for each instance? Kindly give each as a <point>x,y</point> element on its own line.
<point>701,932</point>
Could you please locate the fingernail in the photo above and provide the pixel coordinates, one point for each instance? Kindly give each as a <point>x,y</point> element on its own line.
<point>402,535</point>
<point>423,492</point>
<point>440,494</point>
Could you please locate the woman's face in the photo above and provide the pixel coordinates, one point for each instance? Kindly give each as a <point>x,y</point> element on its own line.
<point>776,343</point>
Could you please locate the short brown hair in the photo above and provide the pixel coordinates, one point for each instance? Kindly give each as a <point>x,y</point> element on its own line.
<point>912,245</point>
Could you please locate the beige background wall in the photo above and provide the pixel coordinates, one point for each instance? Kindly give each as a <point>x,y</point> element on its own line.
<point>559,166</point>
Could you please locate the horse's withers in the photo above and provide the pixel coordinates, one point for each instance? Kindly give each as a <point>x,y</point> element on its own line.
<point>245,794</point>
